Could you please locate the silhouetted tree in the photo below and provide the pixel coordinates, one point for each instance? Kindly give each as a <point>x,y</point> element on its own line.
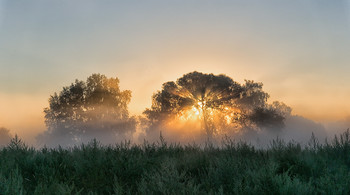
<point>5,136</point>
<point>96,108</point>
<point>221,103</point>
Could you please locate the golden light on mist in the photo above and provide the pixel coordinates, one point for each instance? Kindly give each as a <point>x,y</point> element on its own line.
<point>190,114</point>
<point>193,122</point>
<point>23,115</point>
<point>185,128</point>
<point>196,111</point>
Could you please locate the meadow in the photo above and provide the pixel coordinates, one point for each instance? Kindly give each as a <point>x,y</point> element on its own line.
<point>164,168</point>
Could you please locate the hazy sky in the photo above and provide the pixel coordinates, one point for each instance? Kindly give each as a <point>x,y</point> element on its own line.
<point>299,49</point>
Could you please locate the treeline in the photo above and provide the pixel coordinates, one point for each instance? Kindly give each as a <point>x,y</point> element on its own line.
<point>162,168</point>
<point>195,107</point>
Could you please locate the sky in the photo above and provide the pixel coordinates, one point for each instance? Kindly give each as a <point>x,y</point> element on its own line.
<point>298,49</point>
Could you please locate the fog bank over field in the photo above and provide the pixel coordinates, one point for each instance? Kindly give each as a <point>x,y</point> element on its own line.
<point>196,108</point>
<point>336,127</point>
<point>297,128</point>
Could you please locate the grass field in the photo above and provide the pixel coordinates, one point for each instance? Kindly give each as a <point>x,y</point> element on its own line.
<point>161,168</point>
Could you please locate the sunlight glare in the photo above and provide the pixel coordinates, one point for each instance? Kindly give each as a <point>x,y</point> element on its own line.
<point>195,110</point>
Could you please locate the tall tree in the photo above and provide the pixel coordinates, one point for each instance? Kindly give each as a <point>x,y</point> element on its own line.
<point>220,103</point>
<point>96,108</point>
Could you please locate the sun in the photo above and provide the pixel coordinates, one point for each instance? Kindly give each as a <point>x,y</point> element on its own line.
<point>195,111</point>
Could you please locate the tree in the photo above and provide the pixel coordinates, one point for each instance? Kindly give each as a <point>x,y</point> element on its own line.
<point>221,104</point>
<point>96,108</point>
<point>5,136</point>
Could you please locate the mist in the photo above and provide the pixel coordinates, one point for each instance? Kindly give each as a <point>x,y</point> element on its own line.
<point>198,108</point>
<point>297,128</point>
<point>337,127</point>
<point>5,136</point>
<point>107,130</point>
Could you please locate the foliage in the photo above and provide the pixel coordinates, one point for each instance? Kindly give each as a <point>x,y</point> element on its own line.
<point>85,110</point>
<point>221,104</point>
<point>162,168</point>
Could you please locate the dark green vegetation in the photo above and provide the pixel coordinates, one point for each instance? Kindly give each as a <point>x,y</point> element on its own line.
<point>234,168</point>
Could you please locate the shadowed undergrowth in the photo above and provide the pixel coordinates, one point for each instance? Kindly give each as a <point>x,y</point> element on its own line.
<point>162,168</point>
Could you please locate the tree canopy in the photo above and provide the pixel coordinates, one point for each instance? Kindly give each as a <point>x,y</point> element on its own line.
<point>90,109</point>
<point>219,103</point>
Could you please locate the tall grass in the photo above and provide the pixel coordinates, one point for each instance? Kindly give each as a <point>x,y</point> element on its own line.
<point>162,168</point>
